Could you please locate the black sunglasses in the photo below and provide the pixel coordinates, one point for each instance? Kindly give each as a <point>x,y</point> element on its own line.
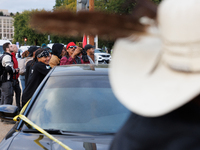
<point>72,46</point>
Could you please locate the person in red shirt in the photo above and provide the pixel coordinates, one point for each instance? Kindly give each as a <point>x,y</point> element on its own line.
<point>72,55</point>
<point>16,87</point>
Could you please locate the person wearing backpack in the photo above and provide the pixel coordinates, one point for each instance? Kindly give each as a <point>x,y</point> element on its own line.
<point>7,75</point>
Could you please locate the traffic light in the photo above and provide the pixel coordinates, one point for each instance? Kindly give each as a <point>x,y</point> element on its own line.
<point>25,39</point>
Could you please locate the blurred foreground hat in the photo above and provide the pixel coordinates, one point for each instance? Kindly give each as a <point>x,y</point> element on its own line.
<point>31,50</point>
<point>88,46</point>
<point>160,73</point>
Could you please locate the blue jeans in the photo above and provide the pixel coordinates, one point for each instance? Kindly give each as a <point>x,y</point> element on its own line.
<point>22,79</point>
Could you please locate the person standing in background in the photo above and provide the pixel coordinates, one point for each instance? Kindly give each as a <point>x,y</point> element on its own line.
<point>56,54</point>
<point>90,53</point>
<point>22,68</point>
<point>16,87</point>
<point>29,60</point>
<point>7,76</point>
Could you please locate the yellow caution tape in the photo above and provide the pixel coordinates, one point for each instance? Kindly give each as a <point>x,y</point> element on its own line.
<point>38,128</point>
<point>23,109</point>
<point>37,141</point>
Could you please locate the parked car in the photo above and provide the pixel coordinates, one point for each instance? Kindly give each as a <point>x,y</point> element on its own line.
<point>102,56</point>
<point>73,103</point>
<point>24,48</point>
<point>1,46</point>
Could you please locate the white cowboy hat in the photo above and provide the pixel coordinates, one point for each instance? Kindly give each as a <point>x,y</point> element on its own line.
<point>155,75</point>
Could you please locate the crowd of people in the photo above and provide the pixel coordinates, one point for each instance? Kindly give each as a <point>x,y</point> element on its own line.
<point>34,65</point>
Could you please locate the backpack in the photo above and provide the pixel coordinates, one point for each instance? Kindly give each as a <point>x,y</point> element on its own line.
<point>1,66</point>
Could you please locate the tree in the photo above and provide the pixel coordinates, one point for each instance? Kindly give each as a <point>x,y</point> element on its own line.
<point>11,14</point>
<point>58,3</point>
<point>65,4</point>
<point>23,30</point>
<point>110,6</point>
<point>118,7</point>
<point>1,13</point>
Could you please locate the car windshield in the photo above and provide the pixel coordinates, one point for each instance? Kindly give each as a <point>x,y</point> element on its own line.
<point>99,51</point>
<point>1,50</point>
<point>78,104</point>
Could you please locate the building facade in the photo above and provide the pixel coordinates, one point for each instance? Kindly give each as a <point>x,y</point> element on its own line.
<point>6,27</point>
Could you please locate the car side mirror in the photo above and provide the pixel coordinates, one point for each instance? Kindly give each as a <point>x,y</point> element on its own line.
<point>8,112</point>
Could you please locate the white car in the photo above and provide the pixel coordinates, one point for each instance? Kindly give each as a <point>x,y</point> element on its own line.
<point>24,48</point>
<point>102,56</point>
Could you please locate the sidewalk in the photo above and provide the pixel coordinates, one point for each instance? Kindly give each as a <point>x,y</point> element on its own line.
<point>4,128</point>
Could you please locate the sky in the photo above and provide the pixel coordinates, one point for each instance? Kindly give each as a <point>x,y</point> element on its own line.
<point>21,5</point>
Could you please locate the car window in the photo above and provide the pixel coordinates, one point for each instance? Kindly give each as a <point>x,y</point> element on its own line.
<point>99,51</point>
<point>78,104</point>
<point>1,50</point>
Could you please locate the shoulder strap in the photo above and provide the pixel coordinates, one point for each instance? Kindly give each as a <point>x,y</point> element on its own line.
<point>2,57</point>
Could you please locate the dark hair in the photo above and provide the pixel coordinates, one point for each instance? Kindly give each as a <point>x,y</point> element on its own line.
<point>57,49</point>
<point>25,54</point>
<point>6,45</point>
<point>37,52</point>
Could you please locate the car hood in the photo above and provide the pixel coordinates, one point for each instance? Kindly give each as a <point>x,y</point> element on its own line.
<point>32,141</point>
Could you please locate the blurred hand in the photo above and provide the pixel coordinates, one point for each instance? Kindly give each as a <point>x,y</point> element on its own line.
<point>17,70</point>
<point>76,52</point>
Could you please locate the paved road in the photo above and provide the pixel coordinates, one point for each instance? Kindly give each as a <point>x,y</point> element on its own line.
<point>4,127</point>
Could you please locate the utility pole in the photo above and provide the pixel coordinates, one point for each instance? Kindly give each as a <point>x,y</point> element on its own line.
<point>91,8</point>
<point>83,5</point>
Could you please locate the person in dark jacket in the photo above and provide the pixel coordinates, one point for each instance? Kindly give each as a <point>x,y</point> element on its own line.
<point>56,54</point>
<point>7,76</point>
<point>29,61</point>
<point>39,70</point>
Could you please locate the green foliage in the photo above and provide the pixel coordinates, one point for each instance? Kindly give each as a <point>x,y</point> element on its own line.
<point>23,30</point>
<point>58,3</point>
<point>65,40</point>
<point>156,1</point>
<point>115,6</point>
<point>118,6</point>
<point>11,14</point>
<point>1,13</point>
<point>65,4</point>
<point>105,43</point>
